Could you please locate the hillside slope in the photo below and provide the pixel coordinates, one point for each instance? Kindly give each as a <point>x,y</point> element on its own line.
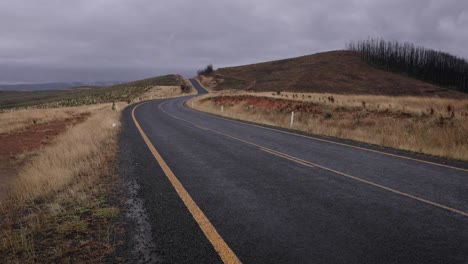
<point>80,96</point>
<point>341,72</point>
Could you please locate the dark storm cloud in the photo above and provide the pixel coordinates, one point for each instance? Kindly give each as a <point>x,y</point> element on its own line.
<point>54,40</point>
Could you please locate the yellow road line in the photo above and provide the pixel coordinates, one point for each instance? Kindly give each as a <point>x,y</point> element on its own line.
<point>285,156</point>
<point>338,143</point>
<point>311,164</point>
<point>200,127</point>
<point>224,251</point>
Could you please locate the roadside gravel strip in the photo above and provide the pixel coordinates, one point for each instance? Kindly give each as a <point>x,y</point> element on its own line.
<point>275,197</point>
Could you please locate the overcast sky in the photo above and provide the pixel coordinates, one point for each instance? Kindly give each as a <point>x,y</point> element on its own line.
<point>90,40</point>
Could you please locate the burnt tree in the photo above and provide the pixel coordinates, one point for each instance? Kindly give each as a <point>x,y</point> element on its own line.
<point>422,63</point>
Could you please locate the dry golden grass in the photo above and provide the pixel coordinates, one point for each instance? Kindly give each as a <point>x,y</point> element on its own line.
<point>18,119</point>
<point>167,91</point>
<point>50,207</point>
<point>407,104</point>
<point>156,92</point>
<point>76,153</point>
<point>432,126</point>
<point>209,83</point>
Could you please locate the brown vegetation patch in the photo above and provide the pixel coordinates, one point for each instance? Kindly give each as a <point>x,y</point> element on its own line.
<point>288,106</point>
<point>34,136</point>
<point>338,72</point>
<point>18,147</point>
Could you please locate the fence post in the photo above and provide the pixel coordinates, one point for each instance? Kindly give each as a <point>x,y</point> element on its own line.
<point>292,119</point>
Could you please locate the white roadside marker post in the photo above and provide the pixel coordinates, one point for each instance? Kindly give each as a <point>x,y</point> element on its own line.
<point>192,104</point>
<point>292,119</point>
<point>222,108</point>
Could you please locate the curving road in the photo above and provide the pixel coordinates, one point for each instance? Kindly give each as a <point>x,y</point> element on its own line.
<point>273,196</point>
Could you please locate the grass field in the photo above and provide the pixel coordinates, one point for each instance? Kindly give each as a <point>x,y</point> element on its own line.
<point>434,126</point>
<point>15,120</point>
<point>59,207</point>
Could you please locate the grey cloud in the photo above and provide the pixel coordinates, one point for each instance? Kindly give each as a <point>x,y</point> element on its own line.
<point>54,40</point>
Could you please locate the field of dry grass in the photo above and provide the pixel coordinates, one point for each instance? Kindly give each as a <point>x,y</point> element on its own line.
<point>433,126</point>
<point>13,120</point>
<point>162,92</point>
<point>59,208</point>
<point>157,92</point>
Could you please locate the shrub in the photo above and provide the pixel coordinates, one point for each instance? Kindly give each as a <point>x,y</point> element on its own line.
<point>185,88</point>
<point>206,71</point>
<point>327,115</point>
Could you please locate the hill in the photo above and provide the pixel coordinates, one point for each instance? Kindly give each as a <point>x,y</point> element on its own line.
<point>53,86</point>
<point>84,95</point>
<point>340,72</point>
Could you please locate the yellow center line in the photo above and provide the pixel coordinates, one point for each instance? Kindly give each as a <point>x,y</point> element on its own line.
<point>223,250</point>
<point>285,156</point>
<point>200,127</point>
<point>338,143</point>
<point>311,164</point>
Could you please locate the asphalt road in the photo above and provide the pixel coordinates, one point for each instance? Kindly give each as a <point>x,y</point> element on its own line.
<point>280,197</point>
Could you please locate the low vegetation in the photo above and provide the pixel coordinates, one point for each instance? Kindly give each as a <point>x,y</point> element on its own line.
<point>62,206</point>
<point>434,126</point>
<point>126,92</point>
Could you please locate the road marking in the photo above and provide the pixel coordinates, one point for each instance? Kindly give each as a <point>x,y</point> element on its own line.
<point>285,156</point>
<point>310,164</point>
<point>336,143</point>
<point>200,127</point>
<point>223,250</point>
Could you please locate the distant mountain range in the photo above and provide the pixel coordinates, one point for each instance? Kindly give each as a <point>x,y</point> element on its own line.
<point>53,85</point>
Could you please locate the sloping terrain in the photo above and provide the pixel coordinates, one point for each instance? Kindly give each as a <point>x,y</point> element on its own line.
<point>81,96</point>
<point>341,72</point>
